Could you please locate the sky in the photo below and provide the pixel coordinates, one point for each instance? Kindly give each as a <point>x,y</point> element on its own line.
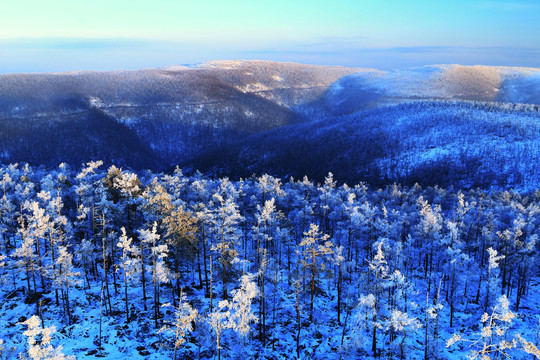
<point>71,35</point>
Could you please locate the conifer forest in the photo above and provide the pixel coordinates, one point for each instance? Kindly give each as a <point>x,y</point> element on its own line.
<point>100,261</point>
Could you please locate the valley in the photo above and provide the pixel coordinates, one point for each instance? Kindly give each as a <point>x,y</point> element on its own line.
<point>225,117</point>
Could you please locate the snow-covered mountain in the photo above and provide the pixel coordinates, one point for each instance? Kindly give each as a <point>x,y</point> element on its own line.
<point>231,117</point>
<point>369,89</point>
<point>175,113</point>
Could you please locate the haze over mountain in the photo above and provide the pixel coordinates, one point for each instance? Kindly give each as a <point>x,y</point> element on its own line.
<point>225,116</point>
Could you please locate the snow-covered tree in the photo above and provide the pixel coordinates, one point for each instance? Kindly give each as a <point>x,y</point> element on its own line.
<point>401,322</point>
<point>39,342</point>
<point>492,283</point>
<point>241,312</point>
<point>185,315</point>
<point>160,273</point>
<point>39,225</point>
<point>66,277</point>
<point>494,338</point>
<point>181,237</point>
<point>219,321</point>
<point>226,218</point>
<point>130,263</point>
<point>315,248</point>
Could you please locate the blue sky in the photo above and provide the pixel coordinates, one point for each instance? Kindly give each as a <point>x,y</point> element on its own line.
<point>66,35</point>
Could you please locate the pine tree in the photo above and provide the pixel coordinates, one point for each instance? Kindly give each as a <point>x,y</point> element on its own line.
<point>225,222</point>
<point>401,322</point>
<point>430,227</point>
<point>66,277</point>
<point>492,283</point>
<point>25,251</point>
<point>379,268</point>
<point>130,263</point>
<point>38,226</point>
<point>159,271</point>
<point>315,247</point>
<point>7,210</point>
<point>181,231</point>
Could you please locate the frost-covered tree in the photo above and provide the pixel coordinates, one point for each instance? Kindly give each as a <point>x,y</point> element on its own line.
<point>226,218</point>
<point>492,283</point>
<point>364,322</point>
<point>430,226</point>
<point>432,314</point>
<point>362,219</point>
<point>181,237</point>
<point>39,225</point>
<point>130,263</point>
<point>265,223</point>
<point>379,268</point>
<point>326,194</point>
<point>510,241</point>
<point>125,189</point>
<point>59,228</point>
<point>39,342</point>
<point>269,186</point>
<point>339,261</point>
<point>401,322</point>
<point>235,314</point>
<point>219,321</point>
<point>455,267</point>
<point>241,313</point>
<point>66,277</point>
<point>204,225</point>
<point>157,203</point>
<point>185,315</point>
<point>315,248</point>
<point>25,252</point>
<point>494,339</point>
<point>160,273</point>
<point>7,209</point>
<point>86,256</point>
<point>87,189</point>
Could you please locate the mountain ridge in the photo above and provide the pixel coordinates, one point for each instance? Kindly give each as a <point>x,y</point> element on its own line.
<point>185,114</point>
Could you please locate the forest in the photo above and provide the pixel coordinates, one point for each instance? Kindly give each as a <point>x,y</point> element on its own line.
<point>111,263</point>
<point>465,144</point>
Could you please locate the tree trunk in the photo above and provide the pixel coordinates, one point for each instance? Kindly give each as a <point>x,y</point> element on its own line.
<point>312,286</point>
<point>339,296</point>
<point>126,293</point>
<point>142,275</point>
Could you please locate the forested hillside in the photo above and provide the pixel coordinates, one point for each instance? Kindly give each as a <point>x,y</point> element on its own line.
<point>282,118</point>
<point>98,262</point>
<point>171,115</point>
<point>445,143</point>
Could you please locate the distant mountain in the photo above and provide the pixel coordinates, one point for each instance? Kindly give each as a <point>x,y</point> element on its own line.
<point>444,124</point>
<point>369,89</point>
<point>174,113</point>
